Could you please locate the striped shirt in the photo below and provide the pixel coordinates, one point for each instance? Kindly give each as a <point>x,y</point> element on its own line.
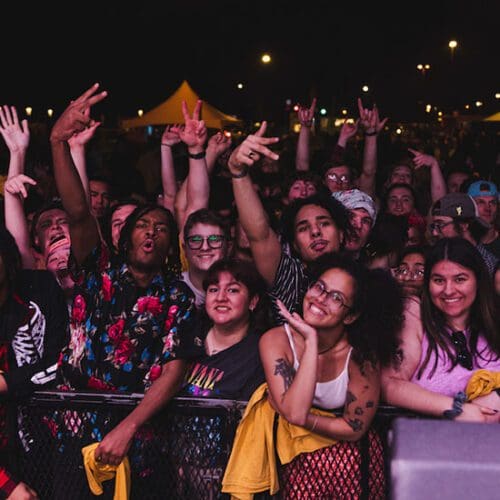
<point>290,285</point>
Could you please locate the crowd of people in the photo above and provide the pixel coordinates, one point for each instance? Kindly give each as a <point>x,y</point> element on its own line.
<point>302,276</point>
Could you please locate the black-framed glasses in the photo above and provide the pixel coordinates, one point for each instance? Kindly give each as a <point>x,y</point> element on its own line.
<point>407,272</point>
<point>438,226</point>
<point>214,241</point>
<point>339,179</point>
<point>464,357</point>
<point>334,298</point>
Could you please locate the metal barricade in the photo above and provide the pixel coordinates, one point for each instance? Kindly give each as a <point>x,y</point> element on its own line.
<point>181,453</point>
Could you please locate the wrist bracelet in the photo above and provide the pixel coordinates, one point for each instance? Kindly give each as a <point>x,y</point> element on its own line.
<point>166,145</point>
<point>371,133</point>
<point>243,173</point>
<point>197,156</point>
<point>314,424</point>
<point>456,410</point>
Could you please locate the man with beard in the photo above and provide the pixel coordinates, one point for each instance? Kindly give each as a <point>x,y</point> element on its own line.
<point>128,321</point>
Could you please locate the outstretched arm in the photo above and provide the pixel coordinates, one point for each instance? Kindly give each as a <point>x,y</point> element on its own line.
<point>438,184</point>
<point>372,125</point>
<point>264,243</point>
<point>194,135</point>
<point>17,138</point>
<point>306,119</point>
<point>169,139</point>
<point>74,119</point>
<point>77,147</point>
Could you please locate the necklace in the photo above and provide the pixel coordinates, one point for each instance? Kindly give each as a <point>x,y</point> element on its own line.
<point>208,344</point>
<point>331,347</point>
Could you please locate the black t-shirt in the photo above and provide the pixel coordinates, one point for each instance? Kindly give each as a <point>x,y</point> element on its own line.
<point>34,328</point>
<point>233,373</point>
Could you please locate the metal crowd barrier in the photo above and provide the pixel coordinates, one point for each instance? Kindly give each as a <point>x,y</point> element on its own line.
<point>183,451</point>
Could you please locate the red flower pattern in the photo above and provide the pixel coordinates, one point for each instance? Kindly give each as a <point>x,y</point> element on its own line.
<point>115,331</point>
<point>107,288</point>
<point>79,309</point>
<point>149,304</point>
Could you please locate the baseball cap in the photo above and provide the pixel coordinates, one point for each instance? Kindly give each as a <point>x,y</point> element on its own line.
<point>482,188</point>
<point>355,198</point>
<point>457,205</point>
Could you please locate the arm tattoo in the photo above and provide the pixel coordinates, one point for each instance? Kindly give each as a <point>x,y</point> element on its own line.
<point>370,404</point>
<point>349,398</point>
<point>355,424</point>
<point>358,410</point>
<point>285,370</point>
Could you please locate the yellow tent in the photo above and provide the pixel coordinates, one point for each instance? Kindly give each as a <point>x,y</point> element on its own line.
<point>493,118</point>
<point>170,112</point>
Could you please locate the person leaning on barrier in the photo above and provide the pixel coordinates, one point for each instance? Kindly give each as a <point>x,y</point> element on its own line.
<point>451,343</point>
<point>327,358</point>
<point>33,329</point>
<point>128,322</point>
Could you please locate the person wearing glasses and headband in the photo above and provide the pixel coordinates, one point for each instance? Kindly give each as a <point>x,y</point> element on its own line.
<point>450,345</point>
<point>206,237</point>
<point>327,358</point>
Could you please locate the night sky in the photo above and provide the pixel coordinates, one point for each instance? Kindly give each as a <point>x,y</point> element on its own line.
<point>329,49</point>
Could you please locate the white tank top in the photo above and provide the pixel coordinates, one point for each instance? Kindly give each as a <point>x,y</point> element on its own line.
<point>327,395</point>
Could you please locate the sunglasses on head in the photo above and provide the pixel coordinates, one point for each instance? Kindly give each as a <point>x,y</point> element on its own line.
<point>464,357</point>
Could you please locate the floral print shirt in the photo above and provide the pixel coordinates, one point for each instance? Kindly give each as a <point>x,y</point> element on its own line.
<point>121,334</point>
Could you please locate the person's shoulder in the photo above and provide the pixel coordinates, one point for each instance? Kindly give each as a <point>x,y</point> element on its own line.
<point>37,278</point>
<point>273,336</point>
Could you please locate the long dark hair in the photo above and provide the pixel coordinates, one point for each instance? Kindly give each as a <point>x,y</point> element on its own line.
<point>245,272</point>
<point>484,315</point>
<point>374,335</point>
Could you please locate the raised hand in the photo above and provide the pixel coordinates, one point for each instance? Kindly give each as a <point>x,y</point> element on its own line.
<point>421,159</point>
<point>76,117</point>
<point>194,133</point>
<point>369,119</point>
<point>15,134</point>
<point>16,185</point>
<point>297,322</point>
<point>219,143</point>
<point>347,131</point>
<point>79,139</point>
<point>251,149</point>
<point>170,136</point>
<point>306,115</point>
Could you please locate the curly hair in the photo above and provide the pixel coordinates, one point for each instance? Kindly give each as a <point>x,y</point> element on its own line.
<point>378,301</point>
<point>335,208</point>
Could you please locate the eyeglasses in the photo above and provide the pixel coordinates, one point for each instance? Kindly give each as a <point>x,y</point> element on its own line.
<point>464,356</point>
<point>406,272</point>
<point>438,226</point>
<point>214,241</point>
<point>335,299</point>
<point>343,179</point>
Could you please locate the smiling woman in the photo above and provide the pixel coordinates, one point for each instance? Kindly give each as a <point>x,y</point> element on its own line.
<point>328,358</point>
<point>456,342</point>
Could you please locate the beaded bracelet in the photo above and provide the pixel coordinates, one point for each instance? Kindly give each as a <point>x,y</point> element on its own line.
<point>456,410</point>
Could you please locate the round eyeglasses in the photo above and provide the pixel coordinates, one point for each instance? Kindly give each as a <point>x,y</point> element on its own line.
<point>214,241</point>
<point>408,273</point>
<point>334,298</point>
